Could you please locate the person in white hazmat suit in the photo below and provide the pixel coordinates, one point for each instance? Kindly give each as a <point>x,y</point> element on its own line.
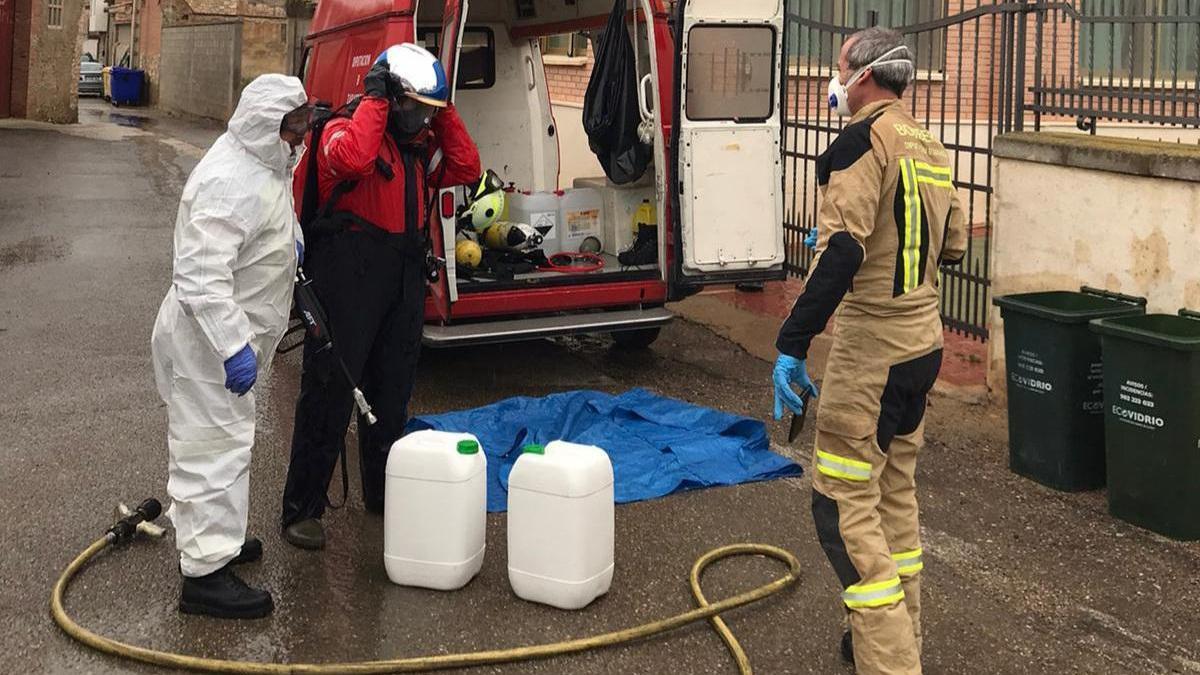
<point>237,245</point>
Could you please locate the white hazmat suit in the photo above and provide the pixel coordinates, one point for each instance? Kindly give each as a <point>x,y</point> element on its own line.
<point>234,266</point>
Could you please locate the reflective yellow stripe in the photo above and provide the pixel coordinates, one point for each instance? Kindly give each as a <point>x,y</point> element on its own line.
<point>842,467</point>
<point>878,594</point>
<point>911,246</point>
<point>934,175</point>
<point>909,562</point>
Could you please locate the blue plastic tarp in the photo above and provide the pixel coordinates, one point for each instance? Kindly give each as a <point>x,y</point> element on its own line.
<point>658,445</point>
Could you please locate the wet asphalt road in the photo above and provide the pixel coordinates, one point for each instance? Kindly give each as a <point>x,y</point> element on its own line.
<point>1019,579</point>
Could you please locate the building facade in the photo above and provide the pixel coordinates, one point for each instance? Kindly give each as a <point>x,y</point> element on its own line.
<point>40,44</point>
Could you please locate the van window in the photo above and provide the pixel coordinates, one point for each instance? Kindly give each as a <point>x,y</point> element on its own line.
<point>476,57</point>
<point>731,73</point>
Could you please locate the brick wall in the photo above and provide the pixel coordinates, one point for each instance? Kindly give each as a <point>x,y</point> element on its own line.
<point>200,69</point>
<point>568,83</point>
<point>19,103</point>
<point>149,45</point>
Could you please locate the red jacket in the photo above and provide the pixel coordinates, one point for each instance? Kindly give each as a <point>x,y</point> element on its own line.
<point>348,150</point>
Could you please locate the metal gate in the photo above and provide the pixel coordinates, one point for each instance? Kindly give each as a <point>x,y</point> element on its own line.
<point>985,67</point>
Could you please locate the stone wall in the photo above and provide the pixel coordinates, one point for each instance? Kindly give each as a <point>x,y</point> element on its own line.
<point>1111,213</point>
<point>264,47</point>
<point>52,74</point>
<point>200,70</point>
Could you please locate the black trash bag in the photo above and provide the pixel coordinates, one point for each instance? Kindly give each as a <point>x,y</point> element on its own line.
<point>610,106</point>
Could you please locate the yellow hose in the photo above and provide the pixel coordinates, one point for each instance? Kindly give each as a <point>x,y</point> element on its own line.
<point>705,610</point>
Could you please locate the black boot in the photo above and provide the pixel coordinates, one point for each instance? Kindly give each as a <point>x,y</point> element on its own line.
<point>644,250</point>
<point>307,534</point>
<point>223,595</point>
<point>848,647</point>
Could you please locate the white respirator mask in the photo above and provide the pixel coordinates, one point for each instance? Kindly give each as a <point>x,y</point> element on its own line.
<point>839,94</point>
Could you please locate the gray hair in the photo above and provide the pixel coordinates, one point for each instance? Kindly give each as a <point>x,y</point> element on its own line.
<point>873,43</point>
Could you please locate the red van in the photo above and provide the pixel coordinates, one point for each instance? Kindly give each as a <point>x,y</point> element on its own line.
<point>715,177</point>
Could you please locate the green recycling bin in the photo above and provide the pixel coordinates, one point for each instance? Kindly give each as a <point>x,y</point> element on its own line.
<point>1055,385</point>
<point>1152,420</point>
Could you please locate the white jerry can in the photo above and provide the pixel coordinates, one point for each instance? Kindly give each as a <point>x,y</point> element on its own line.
<point>539,210</point>
<point>560,524</point>
<point>435,510</point>
<point>580,217</point>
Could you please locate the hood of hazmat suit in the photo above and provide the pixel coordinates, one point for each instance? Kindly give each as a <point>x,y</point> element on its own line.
<point>234,266</point>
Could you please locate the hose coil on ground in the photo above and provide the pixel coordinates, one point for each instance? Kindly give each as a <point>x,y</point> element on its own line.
<point>704,610</point>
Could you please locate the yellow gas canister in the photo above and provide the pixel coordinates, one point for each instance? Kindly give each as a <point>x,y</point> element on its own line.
<point>646,214</point>
<point>467,253</point>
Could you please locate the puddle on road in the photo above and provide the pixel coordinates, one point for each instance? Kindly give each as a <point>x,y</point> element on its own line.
<point>120,119</point>
<point>130,120</point>
<point>32,250</point>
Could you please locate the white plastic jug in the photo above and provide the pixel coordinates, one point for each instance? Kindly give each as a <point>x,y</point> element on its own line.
<point>620,205</point>
<point>560,524</point>
<point>435,510</point>
<point>580,216</point>
<point>540,210</point>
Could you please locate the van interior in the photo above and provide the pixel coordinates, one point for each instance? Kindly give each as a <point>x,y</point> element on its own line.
<point>503,96</point>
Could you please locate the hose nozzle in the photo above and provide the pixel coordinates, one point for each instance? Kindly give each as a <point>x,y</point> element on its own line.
<point>136,521</point>
<point>364,408</point>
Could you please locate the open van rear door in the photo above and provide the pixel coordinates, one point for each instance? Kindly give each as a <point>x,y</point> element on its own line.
<point>727,143</point>
<point>441,230</point>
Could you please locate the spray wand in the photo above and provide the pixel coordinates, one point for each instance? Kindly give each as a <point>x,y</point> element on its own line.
<point>317,327</point>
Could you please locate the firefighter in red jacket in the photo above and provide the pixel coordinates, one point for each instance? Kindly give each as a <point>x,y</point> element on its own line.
<point>367,254</point>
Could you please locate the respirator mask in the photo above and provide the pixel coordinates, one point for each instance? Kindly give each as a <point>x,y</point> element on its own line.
<point>409,117</point>
<point>839,94</point>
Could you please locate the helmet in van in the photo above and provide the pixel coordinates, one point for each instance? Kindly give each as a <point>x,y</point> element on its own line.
<point>483,212</point>
<point>486,203</point>
<point>418,73</point>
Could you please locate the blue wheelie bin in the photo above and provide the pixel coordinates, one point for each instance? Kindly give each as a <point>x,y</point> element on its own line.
<point>127,85</point>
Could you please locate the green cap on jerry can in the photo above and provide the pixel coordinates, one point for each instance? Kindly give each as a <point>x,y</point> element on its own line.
<point>534,449</point>
<point>468,447</point>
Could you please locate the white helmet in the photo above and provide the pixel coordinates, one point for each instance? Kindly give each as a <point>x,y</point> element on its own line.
<point>418,73</point>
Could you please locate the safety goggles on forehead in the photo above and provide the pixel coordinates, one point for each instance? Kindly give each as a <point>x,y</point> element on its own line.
<point>407,104</point>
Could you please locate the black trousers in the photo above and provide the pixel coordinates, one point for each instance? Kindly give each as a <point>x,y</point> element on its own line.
<point>373,292</point>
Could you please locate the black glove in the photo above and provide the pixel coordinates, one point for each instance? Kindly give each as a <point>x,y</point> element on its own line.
<point>377,83</point>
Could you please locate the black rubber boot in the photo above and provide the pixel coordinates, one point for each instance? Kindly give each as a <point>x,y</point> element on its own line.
<point>223,595</point>
<point>252,551</point>
<point>644,250</point>
<point>307,534</point>
<point>848,647</point>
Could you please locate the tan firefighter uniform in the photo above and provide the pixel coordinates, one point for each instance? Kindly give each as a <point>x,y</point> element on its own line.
<point>889,216</point>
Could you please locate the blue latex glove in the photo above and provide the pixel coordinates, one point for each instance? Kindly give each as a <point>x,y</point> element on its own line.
<point>299,252</point>
<point>241,370</point>
<point>811,240</point>
<point>790,370</point>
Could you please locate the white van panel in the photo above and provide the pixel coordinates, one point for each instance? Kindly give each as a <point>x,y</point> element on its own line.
<point>509,121</point>
<point>731,203</point>
<point>740,10</point>
<point>735,231</point>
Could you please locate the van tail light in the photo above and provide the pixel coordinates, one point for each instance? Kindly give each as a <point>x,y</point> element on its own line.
<point>447,205</point>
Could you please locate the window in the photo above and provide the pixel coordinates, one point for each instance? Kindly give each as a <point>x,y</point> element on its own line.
<point>730,73</point>
<point>54,13</point>
<point>811,45</point>
<point>476,55</point>
<point>1160,51</point>
<point>565,44</point>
